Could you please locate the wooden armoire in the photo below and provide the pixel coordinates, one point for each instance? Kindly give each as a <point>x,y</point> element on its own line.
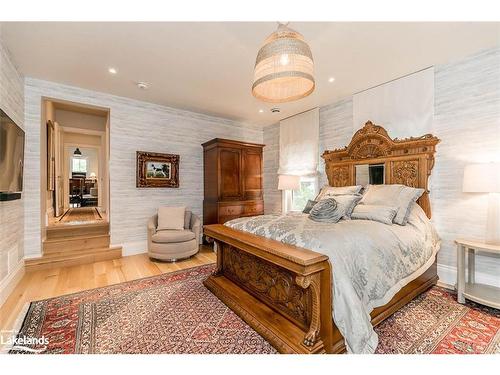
<point>232,174</point>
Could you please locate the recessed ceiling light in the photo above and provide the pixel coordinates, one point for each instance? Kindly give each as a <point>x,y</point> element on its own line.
<point>275,110</point>
<point>143,85</point>
<point>112,70</point>
<point>331,79</point>
<point>261,111</point>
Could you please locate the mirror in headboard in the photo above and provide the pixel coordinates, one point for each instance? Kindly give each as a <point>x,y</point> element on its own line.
<point>372,174</point>
<point>405,161</point>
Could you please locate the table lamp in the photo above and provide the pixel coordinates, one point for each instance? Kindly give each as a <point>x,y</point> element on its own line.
<point>485,178</point>
<point>288,182</point>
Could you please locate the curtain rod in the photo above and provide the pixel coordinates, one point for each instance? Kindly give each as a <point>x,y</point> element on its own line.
<point>392,80</point>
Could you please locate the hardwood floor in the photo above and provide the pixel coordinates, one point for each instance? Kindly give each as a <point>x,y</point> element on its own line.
<point>55,282</point>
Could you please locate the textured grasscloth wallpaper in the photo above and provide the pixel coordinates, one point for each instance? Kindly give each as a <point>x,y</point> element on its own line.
<point>11,213</point>
<point>467,119</point>
<point>135,125</point>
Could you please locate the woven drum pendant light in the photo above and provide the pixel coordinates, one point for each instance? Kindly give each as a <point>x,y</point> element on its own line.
<point>284,68</point>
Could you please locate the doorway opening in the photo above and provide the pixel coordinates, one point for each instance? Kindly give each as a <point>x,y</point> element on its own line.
<point>77,163</point>
<point>74,178</point>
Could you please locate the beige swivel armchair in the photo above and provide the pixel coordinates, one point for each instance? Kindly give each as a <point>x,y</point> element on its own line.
<point>172,245</point>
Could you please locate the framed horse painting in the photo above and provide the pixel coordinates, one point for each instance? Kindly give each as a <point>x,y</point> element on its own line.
<point>156,170</point>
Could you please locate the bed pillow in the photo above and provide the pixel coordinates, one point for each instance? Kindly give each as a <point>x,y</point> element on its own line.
<point>171,218</point>
<point>346,204</point>
<point>325,211</point>
<point>329,191</point>
<point>382,214</point>
<point>399,196</point>
<point>309,206</point>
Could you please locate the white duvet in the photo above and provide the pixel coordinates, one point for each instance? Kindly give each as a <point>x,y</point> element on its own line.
<point>371,262</point>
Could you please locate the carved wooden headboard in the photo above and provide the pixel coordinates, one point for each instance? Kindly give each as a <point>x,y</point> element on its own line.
<point>407,161</point>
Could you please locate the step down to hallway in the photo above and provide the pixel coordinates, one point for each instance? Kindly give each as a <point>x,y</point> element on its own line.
<point>63,245</point>
<point>65,231</point>
<point>73,258</point>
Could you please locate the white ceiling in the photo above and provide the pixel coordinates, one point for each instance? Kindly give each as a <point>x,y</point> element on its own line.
<point>208,67</point>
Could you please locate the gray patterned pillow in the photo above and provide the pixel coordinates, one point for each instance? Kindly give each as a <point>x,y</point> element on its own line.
<point>326,211</point>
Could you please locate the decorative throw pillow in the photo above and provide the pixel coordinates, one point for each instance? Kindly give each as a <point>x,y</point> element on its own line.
<point>382,214</point>
<point>346,203</point>
<point>399,196</point>
<point>308,206</point>
<point>325,211</point>
<point>171,218</point>
<point>329,191</point>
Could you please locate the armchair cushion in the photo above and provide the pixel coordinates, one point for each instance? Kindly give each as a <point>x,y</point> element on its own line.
<point>171,218</point>
<point>172,236</point>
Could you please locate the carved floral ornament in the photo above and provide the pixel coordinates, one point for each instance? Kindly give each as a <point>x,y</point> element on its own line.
<point>273,284</point>
<point>405,172</point>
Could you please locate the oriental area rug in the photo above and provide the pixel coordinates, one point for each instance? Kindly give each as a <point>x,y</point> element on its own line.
<point>174,313</point>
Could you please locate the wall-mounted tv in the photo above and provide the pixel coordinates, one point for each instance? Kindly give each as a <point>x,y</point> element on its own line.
<point>11,158</point>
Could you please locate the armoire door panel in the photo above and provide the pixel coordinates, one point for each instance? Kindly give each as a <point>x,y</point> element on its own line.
<point>230,173</point>
<point>252,173</point>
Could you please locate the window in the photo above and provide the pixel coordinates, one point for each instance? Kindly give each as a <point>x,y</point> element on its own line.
<point>308,190</point>
<point>79,165</point>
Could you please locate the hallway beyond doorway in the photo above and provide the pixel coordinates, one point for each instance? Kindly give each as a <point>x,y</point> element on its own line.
<point>78,216</point>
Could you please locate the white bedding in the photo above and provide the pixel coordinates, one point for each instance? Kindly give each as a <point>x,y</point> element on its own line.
<point>371,262</point>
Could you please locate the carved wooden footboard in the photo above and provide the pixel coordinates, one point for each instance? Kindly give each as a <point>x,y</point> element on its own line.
<point>281,291</point>
<point>284,292</point>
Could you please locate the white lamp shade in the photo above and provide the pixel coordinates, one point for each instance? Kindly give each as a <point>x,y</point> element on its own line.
<point>288,182</point>
<point>92,175</point>
<point>482,178</point>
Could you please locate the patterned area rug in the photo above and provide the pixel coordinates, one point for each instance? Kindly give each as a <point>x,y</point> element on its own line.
<point>170,313</point>
<point>175,313</point>
<point>80,215</point>
<point>436,323</point>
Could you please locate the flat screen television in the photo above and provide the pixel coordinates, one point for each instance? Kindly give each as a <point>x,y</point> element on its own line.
<point>11,158</point>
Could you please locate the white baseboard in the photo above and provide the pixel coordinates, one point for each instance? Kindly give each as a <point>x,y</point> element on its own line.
<point>133,248</point>
<point>448,276</point>
<point>8,284</point>
<point>32,256</point>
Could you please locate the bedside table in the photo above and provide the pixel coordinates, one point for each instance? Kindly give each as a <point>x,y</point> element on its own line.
<point>481,293</point>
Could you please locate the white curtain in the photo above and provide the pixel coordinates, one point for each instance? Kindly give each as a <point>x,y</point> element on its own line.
<point>299,139</point>
<point>404,107</point>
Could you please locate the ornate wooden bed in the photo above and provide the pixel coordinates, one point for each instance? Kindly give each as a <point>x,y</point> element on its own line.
<point>284,292</point>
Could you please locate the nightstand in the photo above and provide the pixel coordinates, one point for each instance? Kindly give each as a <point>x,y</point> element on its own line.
<point>481,293</point>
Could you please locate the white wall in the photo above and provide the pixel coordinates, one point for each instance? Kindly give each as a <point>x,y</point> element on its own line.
<point>11,213</point>
<point>134,126</point>
<point>467,120</point>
